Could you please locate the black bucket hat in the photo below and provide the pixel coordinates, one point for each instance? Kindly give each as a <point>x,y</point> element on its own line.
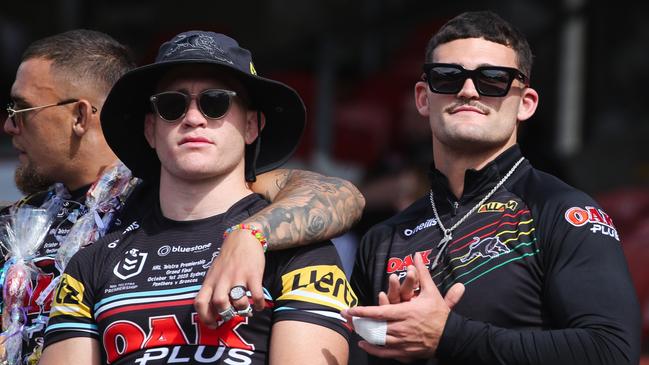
<point>122,116</point>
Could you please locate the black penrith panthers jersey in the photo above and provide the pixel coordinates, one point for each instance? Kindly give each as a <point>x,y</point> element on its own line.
<point>134,291</point>
<point>546,279</point>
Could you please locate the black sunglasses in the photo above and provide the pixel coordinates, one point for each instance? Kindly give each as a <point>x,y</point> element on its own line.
<point>448,78</point>
<point>173,105</point>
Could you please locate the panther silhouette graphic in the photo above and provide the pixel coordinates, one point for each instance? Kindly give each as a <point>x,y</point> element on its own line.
<point>488,247</point>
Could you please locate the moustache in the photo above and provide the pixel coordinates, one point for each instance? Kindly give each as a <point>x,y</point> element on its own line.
<point>467,102</point>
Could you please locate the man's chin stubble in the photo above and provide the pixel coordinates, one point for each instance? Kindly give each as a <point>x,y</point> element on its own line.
<point>29,181</point>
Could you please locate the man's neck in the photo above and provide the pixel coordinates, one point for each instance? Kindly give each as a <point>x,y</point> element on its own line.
<point>86,175</point>
<point>184,200</point>
<point>88,163</point>
<point>454,164</point>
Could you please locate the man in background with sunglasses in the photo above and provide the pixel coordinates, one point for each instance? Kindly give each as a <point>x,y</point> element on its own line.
<point>53,120</point>
<point>196,124</point>
<point>532,269</point>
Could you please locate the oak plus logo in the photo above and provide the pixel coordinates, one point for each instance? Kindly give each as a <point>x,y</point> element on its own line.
<point>131,265</point>
<point>599,221</point>
<point>170,343</point>
<point>399,264</point>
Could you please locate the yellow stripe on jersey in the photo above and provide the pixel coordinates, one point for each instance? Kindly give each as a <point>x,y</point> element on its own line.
<point>68,299</point>
<point>323,284</point>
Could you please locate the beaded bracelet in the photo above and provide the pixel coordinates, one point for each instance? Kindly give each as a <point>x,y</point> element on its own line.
<point>259,235</point>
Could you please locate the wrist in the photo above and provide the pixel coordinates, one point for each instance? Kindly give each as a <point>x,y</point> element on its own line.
<point>256,233</point>
<point>448,337</point>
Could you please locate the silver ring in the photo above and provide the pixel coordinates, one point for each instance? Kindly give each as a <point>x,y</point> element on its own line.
<point>228,314</point>
<point>237,292</point>
<point>245,312</point>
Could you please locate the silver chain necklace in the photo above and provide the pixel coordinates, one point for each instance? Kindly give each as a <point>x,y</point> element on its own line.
<point>448,233</point>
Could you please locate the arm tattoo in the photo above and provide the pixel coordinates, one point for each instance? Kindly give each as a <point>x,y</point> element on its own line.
<point>309,208</point>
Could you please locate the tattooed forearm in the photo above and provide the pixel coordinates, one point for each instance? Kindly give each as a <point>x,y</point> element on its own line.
<point>308,207</point>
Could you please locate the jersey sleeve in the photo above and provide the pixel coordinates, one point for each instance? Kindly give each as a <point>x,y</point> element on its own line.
<point>365,268</point>
<point>588,294</point>
<point>72,303</point>
<point>309,285</point>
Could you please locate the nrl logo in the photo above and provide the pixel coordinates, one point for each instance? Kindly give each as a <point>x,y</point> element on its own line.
<point>131,265</point>
<point>492,207</point>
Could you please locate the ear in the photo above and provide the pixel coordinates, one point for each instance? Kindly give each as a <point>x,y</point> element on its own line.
<point>149,129</point>
<point>83,114</point>
<point>528,103</point>
<point>421,98</point>
<point>252,130</point>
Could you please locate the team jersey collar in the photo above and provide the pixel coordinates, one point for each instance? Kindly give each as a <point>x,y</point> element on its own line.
<point>162,221</point>
<point>477,182</point>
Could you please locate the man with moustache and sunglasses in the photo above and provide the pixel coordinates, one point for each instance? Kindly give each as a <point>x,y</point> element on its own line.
<point>53,119</point>
<point>196,123</point>
<point>532,269</point>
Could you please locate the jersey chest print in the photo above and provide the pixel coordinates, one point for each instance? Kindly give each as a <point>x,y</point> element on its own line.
<point>500,233</point>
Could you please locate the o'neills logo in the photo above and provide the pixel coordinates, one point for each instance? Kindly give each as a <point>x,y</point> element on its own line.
<point>600,221</point>
<point>427,224</point>
<point>131,227</point>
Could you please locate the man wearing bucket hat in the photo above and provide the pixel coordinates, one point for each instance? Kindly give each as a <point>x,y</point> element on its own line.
<point>195,125</point>
<point>64,142</point>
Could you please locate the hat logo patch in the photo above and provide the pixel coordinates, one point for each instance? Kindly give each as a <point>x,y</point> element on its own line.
<point>195,43</point>
<point>252,69</point>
